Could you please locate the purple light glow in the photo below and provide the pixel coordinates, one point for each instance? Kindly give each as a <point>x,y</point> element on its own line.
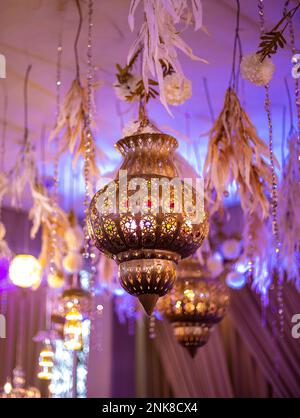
<point>4,267</point>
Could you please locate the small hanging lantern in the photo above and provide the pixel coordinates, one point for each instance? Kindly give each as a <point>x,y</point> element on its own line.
<point>25,270</point>
<point>46,362</point>
<point>73,329</point>
<point>194,305</point>
<point>17,388</point>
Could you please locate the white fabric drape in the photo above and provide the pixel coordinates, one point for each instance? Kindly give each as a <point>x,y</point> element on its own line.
<point>205,376</point>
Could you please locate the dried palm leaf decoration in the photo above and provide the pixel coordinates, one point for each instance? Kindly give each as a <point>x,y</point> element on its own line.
<point>236,154</point>
<point>71,125</point>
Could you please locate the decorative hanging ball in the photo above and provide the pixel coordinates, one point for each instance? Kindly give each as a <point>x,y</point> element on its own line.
<point>194,305</point>
<point>72,262</point>
<point>177,89</point>
<point>215,265</point>
<point>256,71</point>
<point>25,270</point>
<point>145,230</point>
<point>231,249</point>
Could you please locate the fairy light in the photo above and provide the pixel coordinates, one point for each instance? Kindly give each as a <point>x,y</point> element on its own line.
<point>274,191</point>
<point>55,165</point>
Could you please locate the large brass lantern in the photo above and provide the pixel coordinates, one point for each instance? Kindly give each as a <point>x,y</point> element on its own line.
<point>146,243</point>
<point>194,305</point>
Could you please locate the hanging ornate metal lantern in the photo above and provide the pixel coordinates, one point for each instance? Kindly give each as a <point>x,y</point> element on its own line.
<point>46,362</point>
<point>73,339</point>
<point>76,306</point>
<point>147,243</point>
<point>46,358</point>
<point>194,305</point>
<point>75,295</point>
<point>18,389</point>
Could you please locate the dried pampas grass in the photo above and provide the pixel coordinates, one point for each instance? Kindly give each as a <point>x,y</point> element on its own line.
<point>256,241</point>
<point>43,210</point>
<point>289,211</point>
<point>22,175</point>
<point>62,224</point>
<point>71,127</point>
<point>236,154</point>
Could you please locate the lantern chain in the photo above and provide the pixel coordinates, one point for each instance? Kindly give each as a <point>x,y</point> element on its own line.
<point>54,225</point>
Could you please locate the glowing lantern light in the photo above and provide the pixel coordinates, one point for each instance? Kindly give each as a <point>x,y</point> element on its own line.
<point>25,270</point>
<point>7,388</point>
<point>73,329</point>
<point>46,362</point>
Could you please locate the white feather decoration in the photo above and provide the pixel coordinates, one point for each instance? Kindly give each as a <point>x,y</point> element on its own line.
<point>160,39</point>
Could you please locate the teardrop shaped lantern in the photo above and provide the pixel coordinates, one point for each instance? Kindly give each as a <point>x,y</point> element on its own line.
<point>194,305</point>
<point>149,238</point>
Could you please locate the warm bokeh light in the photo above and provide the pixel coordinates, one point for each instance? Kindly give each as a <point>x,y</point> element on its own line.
<point>25,270</point>
<point>73,330</point>
<point>7,388</point>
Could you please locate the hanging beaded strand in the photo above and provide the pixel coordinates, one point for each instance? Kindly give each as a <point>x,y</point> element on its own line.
<point>296,79</point>
<point>271,153</point>
<point>88,135</point>
<point>297,93</point>
<point>274,191</point>
<point>89,150</point>
<point>53,267</point>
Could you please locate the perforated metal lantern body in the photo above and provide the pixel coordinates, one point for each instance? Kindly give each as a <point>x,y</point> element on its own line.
<point>195,304</point>
<point>147,244</point>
